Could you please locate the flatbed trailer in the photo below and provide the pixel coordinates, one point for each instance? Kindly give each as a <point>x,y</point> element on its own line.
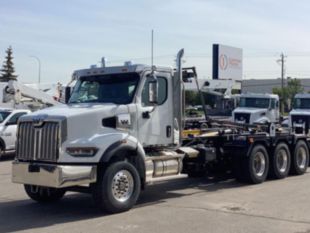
<point>251,152</point>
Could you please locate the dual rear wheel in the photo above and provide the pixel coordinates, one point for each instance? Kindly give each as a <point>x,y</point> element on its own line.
<point>259,164</point>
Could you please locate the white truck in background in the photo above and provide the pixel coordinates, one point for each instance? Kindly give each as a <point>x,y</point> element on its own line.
<point>257,108</point>
<point>8,127</point>
<point>299,116</point>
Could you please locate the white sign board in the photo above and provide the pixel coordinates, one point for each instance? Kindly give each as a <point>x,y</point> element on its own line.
<point>227,62</point>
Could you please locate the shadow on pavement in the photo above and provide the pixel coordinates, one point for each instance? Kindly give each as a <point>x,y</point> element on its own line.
<point>26,214</point>
<point>7,157</point>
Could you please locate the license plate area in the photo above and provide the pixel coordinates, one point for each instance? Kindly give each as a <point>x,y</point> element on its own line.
<point>33,168</point>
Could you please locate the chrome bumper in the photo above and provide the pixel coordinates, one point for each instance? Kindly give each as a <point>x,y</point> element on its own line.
<point>50,175</point>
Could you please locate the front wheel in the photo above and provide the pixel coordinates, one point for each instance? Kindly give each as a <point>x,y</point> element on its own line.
<point>118,188</point>
<point>44,194</point>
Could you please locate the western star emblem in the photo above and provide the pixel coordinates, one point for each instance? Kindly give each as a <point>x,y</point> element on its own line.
<point>38,120</point>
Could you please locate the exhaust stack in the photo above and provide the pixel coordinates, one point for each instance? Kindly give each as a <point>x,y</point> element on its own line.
<point>178,96</point>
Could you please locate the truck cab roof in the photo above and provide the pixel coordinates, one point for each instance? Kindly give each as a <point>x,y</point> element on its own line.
<point>258,95</point>
<point>93,70</point>
<point>304,96</point>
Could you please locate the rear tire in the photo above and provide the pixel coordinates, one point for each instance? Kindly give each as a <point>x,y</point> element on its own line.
<point>256,165</point>
<point>44,194</point>
<point>280,161</point>
<point>118,188</point>
<point>300,159</point>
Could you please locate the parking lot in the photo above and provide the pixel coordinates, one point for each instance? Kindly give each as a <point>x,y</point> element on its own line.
<point>182,205</point>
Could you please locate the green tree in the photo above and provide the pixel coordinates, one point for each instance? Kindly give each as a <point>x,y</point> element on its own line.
<point>287,94</point>
<point>7,71</point>
<point>192,98</point>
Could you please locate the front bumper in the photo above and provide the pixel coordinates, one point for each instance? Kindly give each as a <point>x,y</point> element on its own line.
<point>51,175</point>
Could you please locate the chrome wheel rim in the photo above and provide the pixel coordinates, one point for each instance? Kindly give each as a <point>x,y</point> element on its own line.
<point>122,185</point>
<point>259,164</point>
<point>301,158</point>
<point>282,160</point>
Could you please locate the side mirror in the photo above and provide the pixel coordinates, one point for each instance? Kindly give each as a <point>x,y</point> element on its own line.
<point>153,89</point>
<point>10,123</point>
<point>67,94</point>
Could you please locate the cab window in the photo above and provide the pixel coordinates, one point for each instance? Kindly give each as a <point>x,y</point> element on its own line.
<point>162,91</point>
<point>273,104</point>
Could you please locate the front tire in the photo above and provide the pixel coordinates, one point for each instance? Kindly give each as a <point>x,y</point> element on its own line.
<point>280,161</point>
<point>118,188</point>
<point>300,158</point>
<point>44,194</point>
<point>1,152</point>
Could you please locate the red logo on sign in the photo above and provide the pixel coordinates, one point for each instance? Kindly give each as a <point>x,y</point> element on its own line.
<point>223,62</point>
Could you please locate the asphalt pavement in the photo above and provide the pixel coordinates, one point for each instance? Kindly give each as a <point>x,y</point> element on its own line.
<point>182,205</point>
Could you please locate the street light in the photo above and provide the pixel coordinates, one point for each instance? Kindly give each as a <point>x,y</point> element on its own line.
<point>39,62</point>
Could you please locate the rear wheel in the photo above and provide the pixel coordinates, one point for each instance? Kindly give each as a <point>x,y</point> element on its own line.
<point>300,158</point>
<point>280,161</point>
<point>44,194</point>
<point>256,165</point>
<point>118,188</point>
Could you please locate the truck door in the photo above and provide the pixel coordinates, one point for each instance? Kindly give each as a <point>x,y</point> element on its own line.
<point>274,110</point>
<point>9,130</point>
<point>155,122</point>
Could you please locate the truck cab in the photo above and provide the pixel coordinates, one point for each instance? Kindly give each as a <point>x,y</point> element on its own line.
<point>299,116</point>
<point>8,127</point>
<point>257,108</point>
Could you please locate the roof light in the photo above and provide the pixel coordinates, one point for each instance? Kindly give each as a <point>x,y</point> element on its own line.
<point>103,62</point>
<point>128,63</point>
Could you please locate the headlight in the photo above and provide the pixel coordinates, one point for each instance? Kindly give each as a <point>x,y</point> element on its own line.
<point>82,151</point>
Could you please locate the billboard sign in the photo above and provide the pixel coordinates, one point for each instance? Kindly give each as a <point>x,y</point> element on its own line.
<point>227,62</point>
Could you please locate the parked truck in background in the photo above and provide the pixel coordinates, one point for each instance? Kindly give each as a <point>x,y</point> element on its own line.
<point>299,116</point>
<point>257,108</point>
<point>122,130</point>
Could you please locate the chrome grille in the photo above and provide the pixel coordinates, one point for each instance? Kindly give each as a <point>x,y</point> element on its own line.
<point>38,143</point>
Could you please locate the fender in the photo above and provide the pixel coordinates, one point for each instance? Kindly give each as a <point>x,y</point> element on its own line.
<point>122,146</point>
<point>264,143</point>
<point>263,119</point>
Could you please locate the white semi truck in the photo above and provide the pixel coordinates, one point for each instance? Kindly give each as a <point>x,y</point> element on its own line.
<point>299,117</point>
<point>257,108</point>
<point>122,129</point>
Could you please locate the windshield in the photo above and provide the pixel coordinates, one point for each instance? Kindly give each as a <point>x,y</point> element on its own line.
<point>4,115</point>
<point>301,103</point>
<point>112,88</point>
<point>254,102</point>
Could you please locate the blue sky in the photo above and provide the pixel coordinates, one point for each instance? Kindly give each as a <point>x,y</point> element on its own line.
<point>68,35</point>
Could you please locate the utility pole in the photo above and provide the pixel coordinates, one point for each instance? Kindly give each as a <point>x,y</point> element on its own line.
<point>282,63</point>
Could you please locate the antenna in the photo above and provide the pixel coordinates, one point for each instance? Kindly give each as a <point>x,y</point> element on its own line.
<point>152,49</point>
